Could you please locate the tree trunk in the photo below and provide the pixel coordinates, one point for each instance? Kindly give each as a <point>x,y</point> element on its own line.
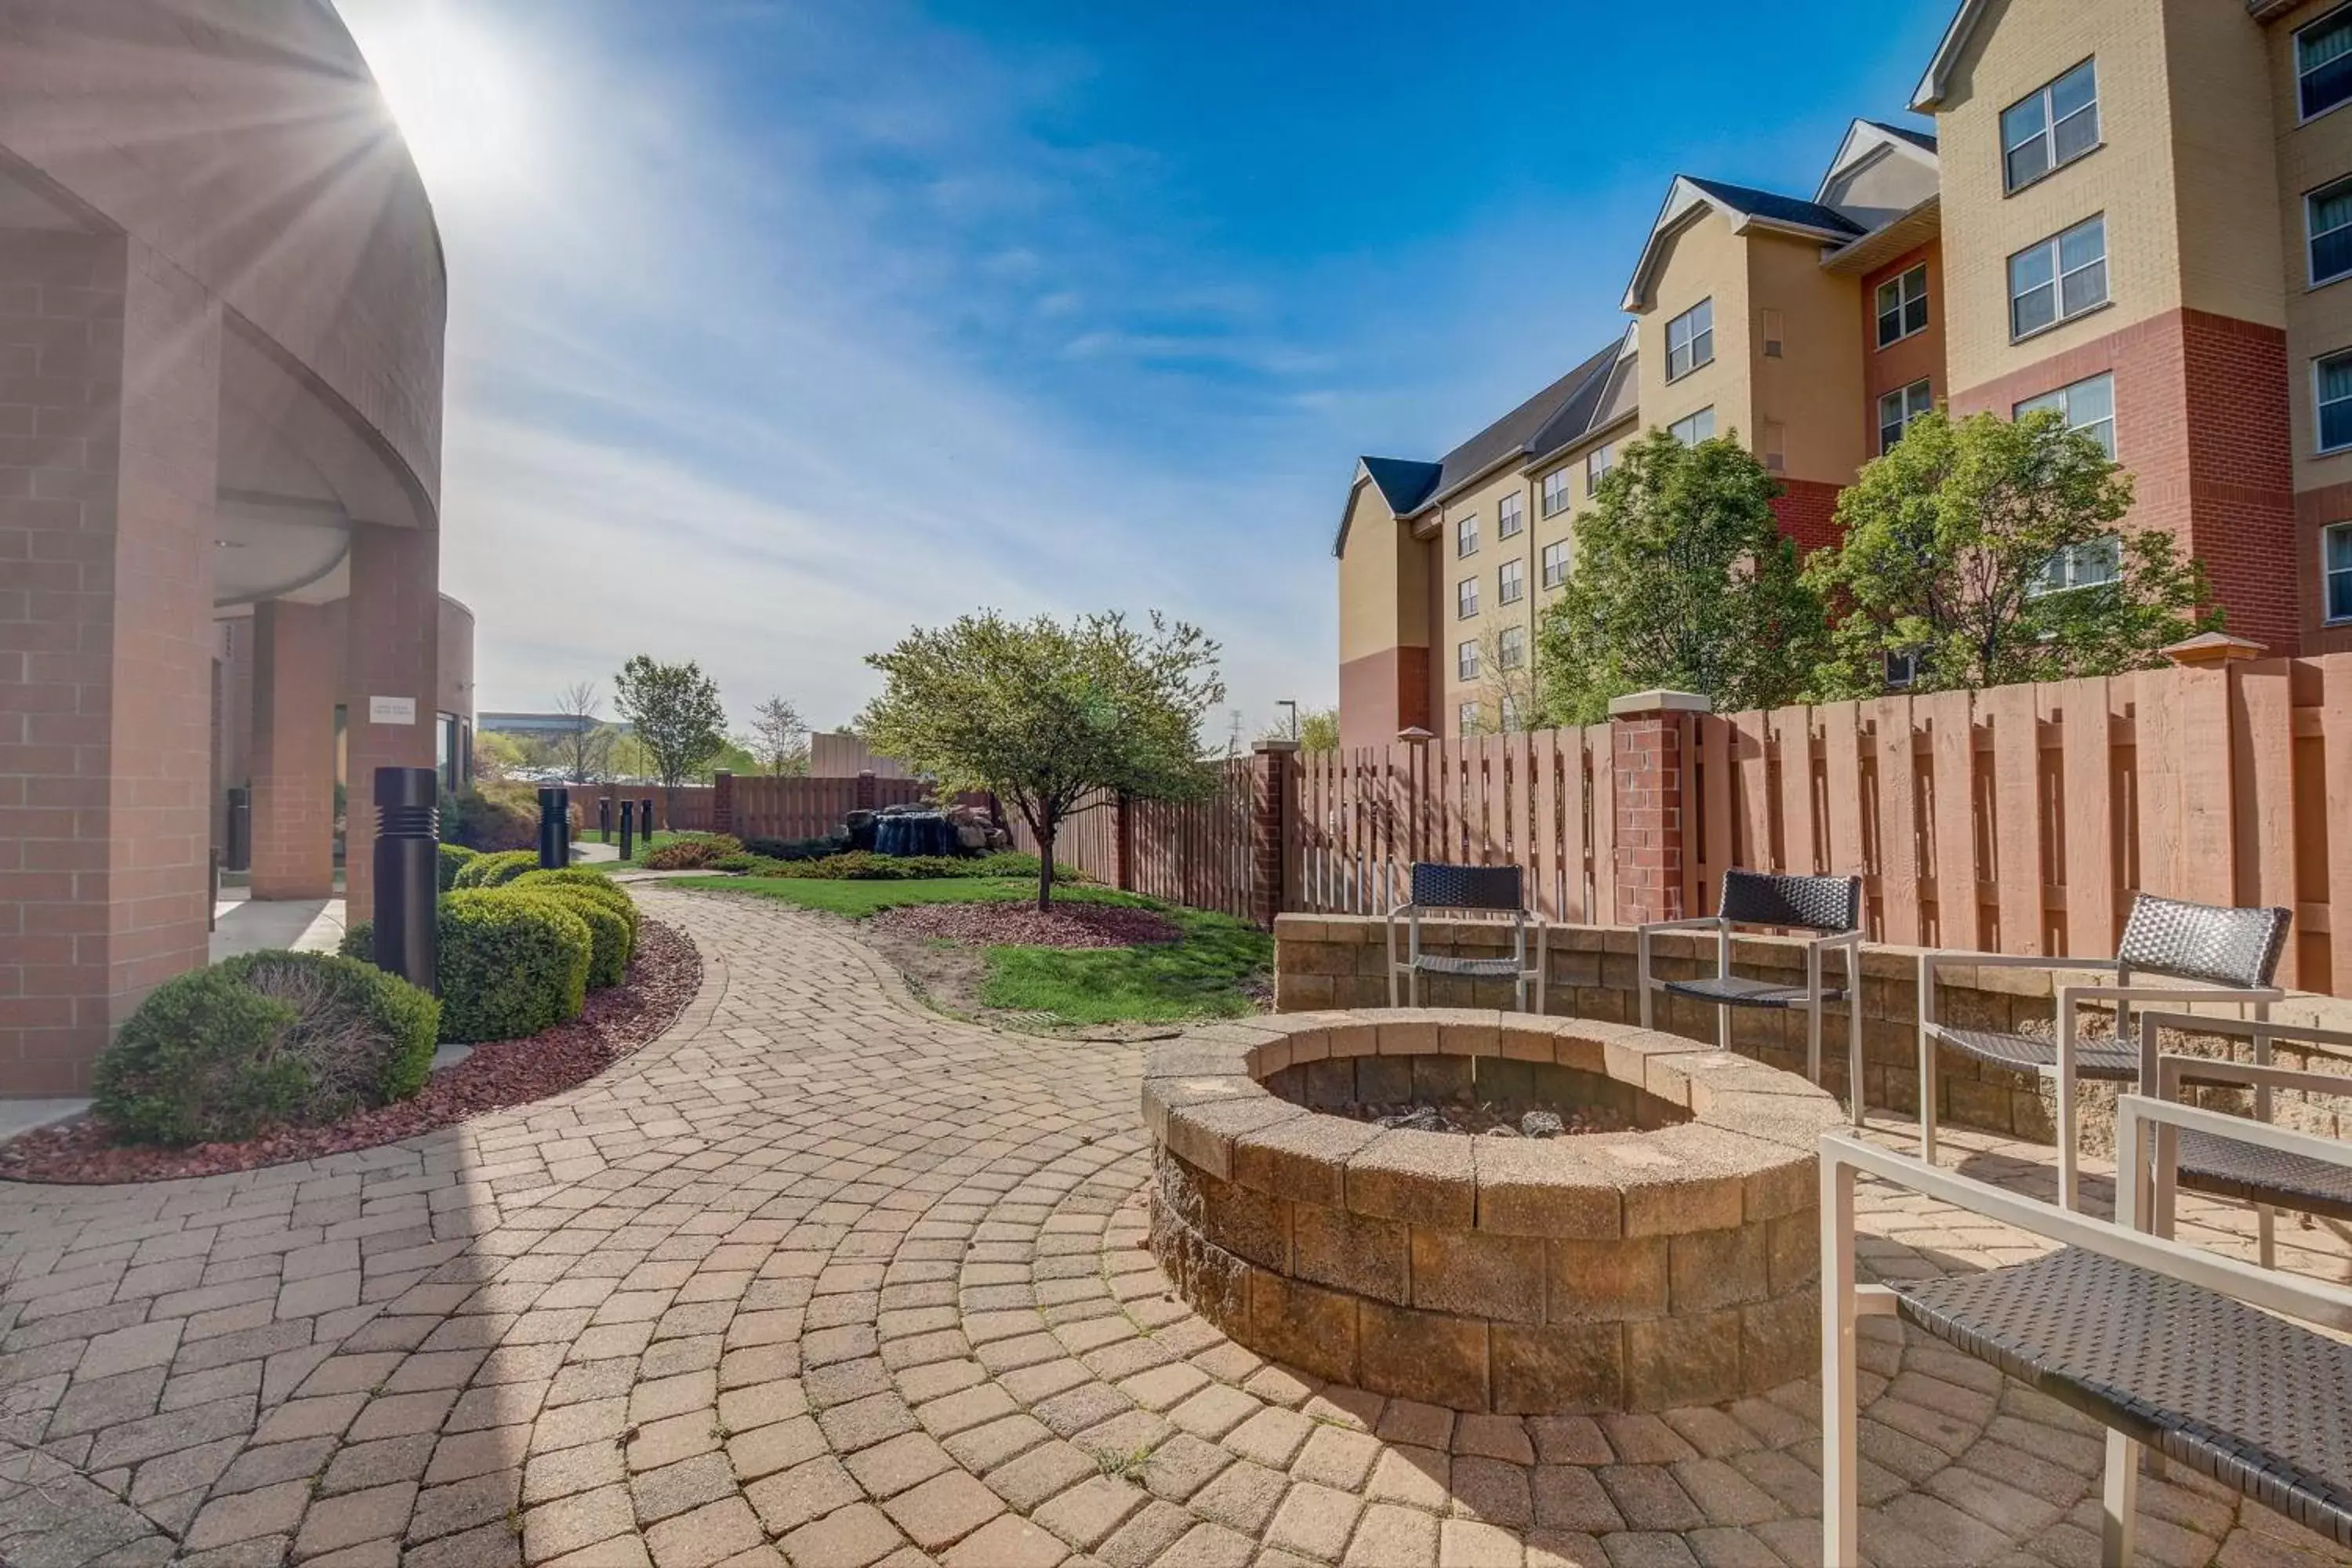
<point>1046,864</point>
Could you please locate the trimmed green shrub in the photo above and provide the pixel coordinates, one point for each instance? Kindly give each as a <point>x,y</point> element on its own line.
<point>511,964</point>
<point>495,870</point>
<point>690,852</point>
<point>265,1038</point>
<point>607,892</point>
<point>359,942</point>
<point>797,848</point>
<point>493,814</point>
<point>454,857</point>
<point>609,938</point>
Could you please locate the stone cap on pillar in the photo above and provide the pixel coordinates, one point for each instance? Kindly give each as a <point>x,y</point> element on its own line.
<point>1642,704</point>
<point>2210,650</point>
<point>1414,735</point>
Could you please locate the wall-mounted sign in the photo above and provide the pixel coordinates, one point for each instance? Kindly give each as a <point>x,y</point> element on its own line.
<point>392,709</point>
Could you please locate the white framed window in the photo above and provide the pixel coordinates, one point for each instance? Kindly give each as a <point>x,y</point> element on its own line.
<point>2323,63</point>
<point>1902,669</point>
<point>1466,598</point>
<point>1692,428</point>
<point>1510,582</point>
<point>1466,719</point>
<point>1690,340</point>
<point>1510,707</point>
<point>2336,571</point>
<point>2049,126</point>
<point>1897,409</point>
<point>2088,406</point>
<point>1555,563</point>
<point>2059,279</point>
<point>1466,535</point>
<point>2332,398</point>
<point>1597,464</point>
<point>1555,492</point>
<point>1511,648</point>
<point>1510,516</point>
<point>1903,306</point>
<point>2092,564</point>
<point>1466,660</point>
<point>2328,225</point>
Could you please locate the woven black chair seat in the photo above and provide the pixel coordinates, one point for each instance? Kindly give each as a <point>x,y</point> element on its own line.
<point>1736,991</point>
<point>2107,1060</point>
<point>1436,963</point>
<point>2230,1168</point>
<point>2259,1404</point>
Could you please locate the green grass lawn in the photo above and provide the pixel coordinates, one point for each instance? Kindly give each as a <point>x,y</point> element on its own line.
<point>1201,976</point>
<point>638,843</point>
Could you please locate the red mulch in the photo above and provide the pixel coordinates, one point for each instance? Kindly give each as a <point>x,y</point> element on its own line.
<point>664,974</point>
<point>1023,925</point>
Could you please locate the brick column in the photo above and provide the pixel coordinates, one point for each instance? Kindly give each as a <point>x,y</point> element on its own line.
<point>393,620</point>
<point>868,792</point>
<point>723,802</point>
<point>294,665</point>
<point>1270,768</point>
<point>1648,733</point>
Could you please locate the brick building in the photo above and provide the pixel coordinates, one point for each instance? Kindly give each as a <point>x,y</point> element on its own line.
<point>222,298</point>
<point>2137,211</point>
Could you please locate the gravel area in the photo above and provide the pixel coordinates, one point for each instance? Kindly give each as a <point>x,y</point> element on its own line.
<point>664,974</point>
<point>1024,925</point>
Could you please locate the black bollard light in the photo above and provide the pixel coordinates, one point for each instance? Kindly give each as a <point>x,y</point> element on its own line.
<point>563,821</point>
<point>604,818</point>
<point>550,826</point>
<point>237,855</point>
<point>407,856</point>
<point>628,831</point>
<point>645,819</point>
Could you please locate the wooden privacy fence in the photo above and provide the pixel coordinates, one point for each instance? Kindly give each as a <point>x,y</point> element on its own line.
<point>686,809</point>
<point>1199,853</point>
<point>764,807</point>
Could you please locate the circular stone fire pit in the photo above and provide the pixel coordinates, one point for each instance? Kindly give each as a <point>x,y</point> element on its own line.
<point>1635,1270</point>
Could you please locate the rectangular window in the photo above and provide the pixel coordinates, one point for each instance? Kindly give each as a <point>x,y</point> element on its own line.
<point>2092,564</point>
<point>1466,598</point>
<point>1555,563</point>
<point>1903,306</point>
<point>1511,648</point>
<point>1465,719</point>
<point>2051,127</point>
<point>1466,661</point>
<point>1902,670</point>
<point>1465,535</point>
<point>1510,582</point>
<point>1691,429</point>
<point>2327,216</point>
<point>2059,279</point>
<point>1776,333</point>
<point>1510,707</point>
<point>1510,516</point>
<point>1597,464</point>
<point>1776,446</point>
<point>2336,571</point>
<point>1897,409</point>
<point>2087,405</point>
<point>1690,340</point>
<point>1555,492</point>
<point>2333,382</point>
<point>2322,62</point>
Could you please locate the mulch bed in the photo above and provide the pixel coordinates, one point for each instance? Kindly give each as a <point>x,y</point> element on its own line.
<point>664,974</point>
<point>1024,925</point>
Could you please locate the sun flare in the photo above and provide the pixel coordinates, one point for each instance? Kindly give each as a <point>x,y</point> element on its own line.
<point>462,99</point>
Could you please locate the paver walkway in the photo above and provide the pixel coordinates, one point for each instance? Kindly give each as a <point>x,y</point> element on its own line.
<point>823,1278</point>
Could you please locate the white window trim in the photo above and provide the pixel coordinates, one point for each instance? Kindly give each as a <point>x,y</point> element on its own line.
<point>1512,510</point>
<point>1696,364</point>
<point>1544,569</point>
<point>2326,571</point>
<point>1690,418</point>
<point>1468,663</point>
<point>2037,591</point>
<point>1605,454</point>
<point>1510,582</point>
<point>1904,394</point>
<point>2049,131</point>
<point>2311,236</point>
<point>2058,275</point>
<point>1506,640</point>
<point>1566,499</point>
<point>1466,598</point>
<point>2065,409</point>
<point>2295,48</point>
<point>1877,315</point>
<point>2318,448</point>
<point>1465,534</point>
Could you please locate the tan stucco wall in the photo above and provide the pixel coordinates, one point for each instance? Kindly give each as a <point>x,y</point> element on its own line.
<point>2319,320</point>
<point>1894,181</point>
<point>1704,260</point>
<point>2225,162</point>
<point>1809,390</point>
<point>1377,609</point>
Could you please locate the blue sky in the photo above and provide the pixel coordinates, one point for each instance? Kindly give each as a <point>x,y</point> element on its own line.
<point>777,329</point>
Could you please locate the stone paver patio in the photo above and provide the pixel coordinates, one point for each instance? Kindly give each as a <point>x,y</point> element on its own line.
<point>823,1278</point>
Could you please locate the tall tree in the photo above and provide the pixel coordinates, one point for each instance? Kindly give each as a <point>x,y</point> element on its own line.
<point>1053,718</point>
<point>675,711</point>
<point>1984,551</point>
<point>778,737</point>
<point>1683,580</point>
<point>584,750</point>
<point>1319,730</point>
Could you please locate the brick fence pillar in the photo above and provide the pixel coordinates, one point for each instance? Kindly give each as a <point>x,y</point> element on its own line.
<point>868,792</point>
<point>1649,734</point>
<point>1122,843</point>
<point>723,802</point>
<point>1271,764</point>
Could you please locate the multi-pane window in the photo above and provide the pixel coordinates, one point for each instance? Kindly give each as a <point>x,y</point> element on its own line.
<point>2322,62</point>
<point>2059,279</point>
<point>2336,571</point>
<point>1466,598</point>
<point>1466,660</point>
<point>2327,217</point>
<point>1597,464</point>
<point>2091,565</point>
<point>1466,719</point>
<point>1555,492</point>
<point>1692,428</point>
<point>1903,306</point>
<point>1466,535</point>
<point>1510,516</point>
<point>1510,582</point>
<point>1510,707</point>
<point>1690,340</point>
<point>2053,125</point>
<point>2332,387</point>
<point>2087,405</point>
<point>1897,409</point>
<point>1511,648</point>
<point>1555,563</point>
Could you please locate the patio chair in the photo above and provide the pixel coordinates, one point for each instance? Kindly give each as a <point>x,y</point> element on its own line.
<point>1466,889</point>
<point>2169,1347</point>
<point>1832,905</point>
<point>2225,954</point>
<point>2225,1165</point>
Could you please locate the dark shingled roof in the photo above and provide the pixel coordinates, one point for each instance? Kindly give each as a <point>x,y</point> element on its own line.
<point>1776,207</point>
<point>1404,482</point>
<point>1916,138</point>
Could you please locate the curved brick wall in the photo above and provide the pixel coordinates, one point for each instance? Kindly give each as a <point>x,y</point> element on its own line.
<point>1616,1271</point>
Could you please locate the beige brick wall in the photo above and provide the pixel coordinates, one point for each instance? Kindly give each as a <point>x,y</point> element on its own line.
<point>1705,260</point>
<point>1809,390</point>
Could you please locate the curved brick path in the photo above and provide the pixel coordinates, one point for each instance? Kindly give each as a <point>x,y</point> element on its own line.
<point>825,1280</point>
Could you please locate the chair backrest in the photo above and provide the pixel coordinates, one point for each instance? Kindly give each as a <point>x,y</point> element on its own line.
<point>1807,903</point>
<point>2207,942</point>
<point>1442,887</point>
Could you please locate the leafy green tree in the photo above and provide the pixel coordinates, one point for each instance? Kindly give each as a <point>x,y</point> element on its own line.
<point>675,716</point>
<point>1054,719</point>
<point>1684,580</point>
<point>1319,730</point>
<point>1957,549</point>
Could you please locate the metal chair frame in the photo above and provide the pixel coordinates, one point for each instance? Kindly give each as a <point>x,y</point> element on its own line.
<point>1516,968</point>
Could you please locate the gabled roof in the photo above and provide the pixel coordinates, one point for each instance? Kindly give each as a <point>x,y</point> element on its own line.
<point>1688,199</point>
<point>1931,88</point>
<point>1868,140</point>
<point>1919,138</point>
<point>1591,406</point>
<point>1404,482</point>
